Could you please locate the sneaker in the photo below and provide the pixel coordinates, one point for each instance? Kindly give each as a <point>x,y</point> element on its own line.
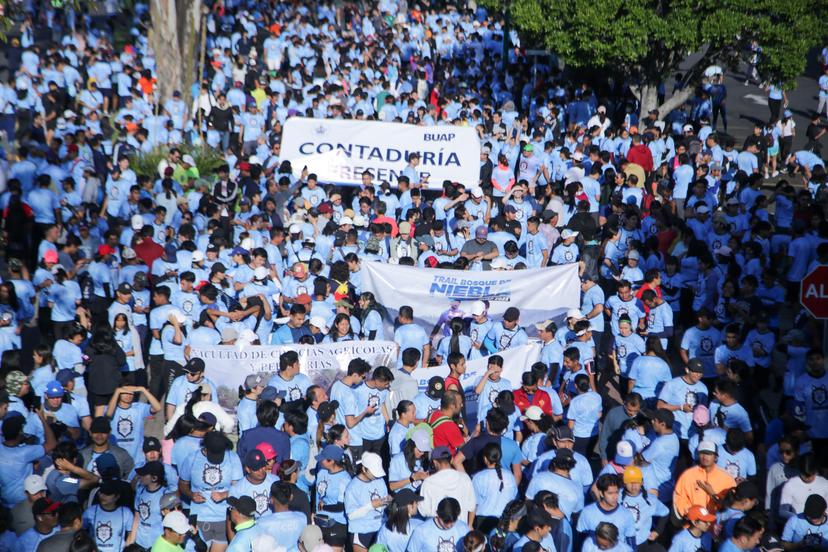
<point>775,174</point>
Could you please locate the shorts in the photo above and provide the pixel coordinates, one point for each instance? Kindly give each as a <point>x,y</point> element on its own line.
<point>95,399</point>
<point>213,531</point>
<point>364,540</point>
<point>773,151</point>
<point>336,534</point>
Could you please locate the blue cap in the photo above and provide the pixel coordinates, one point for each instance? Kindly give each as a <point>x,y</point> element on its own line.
<point>239,251</point>
<point>54,389</point>
<point>107,465</point>
<point>65,376</point>
<point>331,452</point>
<point>270,393</point>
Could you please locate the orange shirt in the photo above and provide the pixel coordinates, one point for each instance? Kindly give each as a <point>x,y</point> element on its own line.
<point>688,492</point>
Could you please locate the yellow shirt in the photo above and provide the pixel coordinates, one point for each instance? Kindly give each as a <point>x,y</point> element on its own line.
<point>162,545</point>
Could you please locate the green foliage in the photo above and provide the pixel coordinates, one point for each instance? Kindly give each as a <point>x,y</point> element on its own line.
<point>207,160</point>
<point>648,39</point>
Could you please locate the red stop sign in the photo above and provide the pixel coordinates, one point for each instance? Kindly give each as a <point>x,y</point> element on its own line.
<point>814,292</point>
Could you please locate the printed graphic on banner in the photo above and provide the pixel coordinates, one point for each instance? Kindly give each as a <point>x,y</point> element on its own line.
<point>228,366</point>
<point>515,362</point>
<point>437,295</point>
<point>340,151</point>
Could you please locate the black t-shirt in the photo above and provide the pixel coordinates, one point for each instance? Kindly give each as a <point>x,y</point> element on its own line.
<point>473,449</point>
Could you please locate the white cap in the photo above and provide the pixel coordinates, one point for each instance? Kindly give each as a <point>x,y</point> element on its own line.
<point>373,462</point>
<point>624,448</point>
<point>198,256</point>
<point>422,440</point>
<point>584,331</point>
<point>68,114</point>
<point>476,191</point>
<point>478,308</point>
<point>567,233</point>
<point>633,255</point>
<point>261,273</point>
<point>578,156</point>
<point>128,253</point>
<point>345,220</point>
<point>687,128</point>
<point>176,521</point>
<point>533,413</point>
<point>295,228</point>
<point>137,222</point>
<point>702,209</point>
<point>319,322</point>
<point>246,337</point>
<point>254,160</point>
<point>723,250</point>
<point>601,109</point>
<point>187,158</point>
<point>498,262</point>
<point>708,446</point>
<point>178,315</point>
<point>34,484</point>
<point>247,243</point>
<point>359,220</point>
<point>574,313</point>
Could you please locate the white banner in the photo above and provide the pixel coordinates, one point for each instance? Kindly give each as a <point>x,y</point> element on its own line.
<point>341,150</point>
<point>228,366</point>
<point>539,293</point>
<point>516,361</point>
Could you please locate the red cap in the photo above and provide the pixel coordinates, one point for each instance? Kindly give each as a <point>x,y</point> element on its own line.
<point>303,299</point>
<point>104,249</point>
<point>244,166</point>
<point>50,256</point>
<point>700,513</point>
<point>266,449</point>
<point>169,171</point>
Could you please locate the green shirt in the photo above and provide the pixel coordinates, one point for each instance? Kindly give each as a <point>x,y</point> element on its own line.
<point>163,545</point>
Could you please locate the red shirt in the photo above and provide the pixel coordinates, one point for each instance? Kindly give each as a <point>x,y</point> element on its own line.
<point>446,433</point>
<point>391,222</point>
<point>540,398</point>
<point>452,381</point>
<point>641,155</point>
<point>148,251</point>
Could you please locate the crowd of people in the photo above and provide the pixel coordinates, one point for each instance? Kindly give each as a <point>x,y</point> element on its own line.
<point>682,407</point>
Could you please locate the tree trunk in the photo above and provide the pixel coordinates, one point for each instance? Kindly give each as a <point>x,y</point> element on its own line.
<point>648,97</point>
<point>174,38</point>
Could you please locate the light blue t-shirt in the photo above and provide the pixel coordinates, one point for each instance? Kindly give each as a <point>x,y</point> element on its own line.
<point>428,537</point>
<point>206,477</point>
<point>15,466</point>
<point>108,528</point>
<point>492,493</point>
<point>359,493</point>
<point>285,527</point>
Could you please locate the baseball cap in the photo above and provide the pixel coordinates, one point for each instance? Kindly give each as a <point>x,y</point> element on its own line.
<point>169,501</point>
<point>476,191</point>
<point>128,253</point>
<point>260,273</point>
<point>54,389</point>
<point>311,538</point>
<point>319,322</point>
<point>267,449</point>
<point>44,506</point>
<point>244,505</point>
<point>406,496</point>
<point>422,440</point>
<point>50,256</point>
<point>136,222</point>
<point>543,326</point>
<point>373,462</point>
<point>623,453</point>
<point>564,433</point>
<point>177,521</point>
<point>344,303</point>
<point>632,474</point>
<point>269,393</point>
<point>708,447</point>
<point>404,228</point>
<point>194,365</point>
<point>435,388</point>
<point>255,460</point>
<point>155,468</point>
<point>533,413</point>
<point>481,233</point>
<point>124,288</point>
<point>105,249</point>
<point>478,308</point>
<point>567,233</point>
<point>150,444</point>
<point>34,483</point>
<point>326,410</point>
<point>252,381</point>
<point>441,453</point>
<point>511,315</point>
<point>14,381</point>
<point>815,507</point>
<point>700,513</point>
<point>229,334</point>
<point>574,313</point>
<point>331,452</point>
<point>695,365</point>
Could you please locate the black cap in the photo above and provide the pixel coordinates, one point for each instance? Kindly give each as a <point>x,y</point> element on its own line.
<point>441,453</point>
<point>406,496</point>
<point>151,443</point>
<point>194,365</point>
<point>244,505</point>
<point>124,288</point>
<point>814,507</point>
<point>511,315</point>
<point>44,506</point>
<point>100,425</point>
<point>155,468</point>
<point>326,410</point>
<point>436,388</point>
<point>695,365</point>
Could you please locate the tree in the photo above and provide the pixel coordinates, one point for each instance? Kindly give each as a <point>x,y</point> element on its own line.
<point>175,39</point>
<point>645,42</point>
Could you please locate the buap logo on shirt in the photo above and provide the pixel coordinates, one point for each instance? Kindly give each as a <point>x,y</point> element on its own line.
<point>144,510</point>
<point>103,531</point>
<point>445,545</point>
<point>819,396</point>
<point>211,474</point>
<point>124,427</point>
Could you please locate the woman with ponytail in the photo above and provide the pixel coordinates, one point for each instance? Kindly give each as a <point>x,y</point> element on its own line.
<point>493,488</point>
<point>454,343</point>
<point>505,534</point>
